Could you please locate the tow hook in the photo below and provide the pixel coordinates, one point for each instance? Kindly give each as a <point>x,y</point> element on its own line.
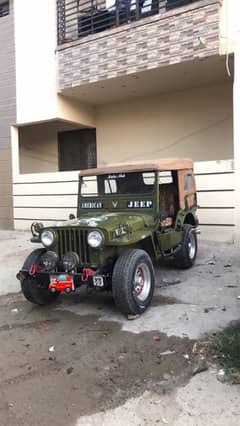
<point>20,276</point>
<point>86,273</point>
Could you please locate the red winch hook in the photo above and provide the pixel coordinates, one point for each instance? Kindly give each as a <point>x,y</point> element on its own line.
<point>86,273</point>
<point>34,269</point>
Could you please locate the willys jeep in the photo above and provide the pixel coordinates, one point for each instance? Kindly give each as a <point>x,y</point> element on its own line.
<point>129,216</point>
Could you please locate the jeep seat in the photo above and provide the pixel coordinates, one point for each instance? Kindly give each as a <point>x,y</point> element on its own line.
<point>167,203</point>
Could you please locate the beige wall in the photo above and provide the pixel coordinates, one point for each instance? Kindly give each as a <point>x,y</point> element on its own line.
<point>73,110</point>
<point>35,42</point>
<point>196,123</point>
<point>38,149</point>
<point>36,67</point>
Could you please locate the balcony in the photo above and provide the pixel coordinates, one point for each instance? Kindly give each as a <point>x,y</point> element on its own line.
<point>99,41</point>
<point>77,19</point>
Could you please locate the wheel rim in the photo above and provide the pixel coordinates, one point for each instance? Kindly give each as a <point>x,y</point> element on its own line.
<point>191,246</point>
<point>142,282</point>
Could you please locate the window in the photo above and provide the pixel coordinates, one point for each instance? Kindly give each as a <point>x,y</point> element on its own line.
<point>110,186</point>
<point>149,178</point>
<point>77,150</point>
<point>4,8</point>
<point>165,177</point>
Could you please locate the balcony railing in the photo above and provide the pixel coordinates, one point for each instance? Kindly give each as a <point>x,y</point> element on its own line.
<point>79,18</point>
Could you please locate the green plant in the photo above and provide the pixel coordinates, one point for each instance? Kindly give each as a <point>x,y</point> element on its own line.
<point>224,348</point>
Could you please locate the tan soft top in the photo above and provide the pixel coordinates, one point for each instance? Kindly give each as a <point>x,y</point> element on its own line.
<point>148,165</point>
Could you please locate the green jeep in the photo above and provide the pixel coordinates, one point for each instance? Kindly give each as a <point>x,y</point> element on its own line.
<point>128,216</point>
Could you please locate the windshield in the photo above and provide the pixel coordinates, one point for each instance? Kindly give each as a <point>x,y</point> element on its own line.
<point>118,184</point>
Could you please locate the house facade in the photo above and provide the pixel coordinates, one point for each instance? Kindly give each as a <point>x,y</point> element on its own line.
<point>7,111</point>
<point>102,82</point>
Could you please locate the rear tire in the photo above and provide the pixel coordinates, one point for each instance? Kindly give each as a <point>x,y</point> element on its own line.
<point>30,285</point>
<point>133,282</point>
<point>186,256</point>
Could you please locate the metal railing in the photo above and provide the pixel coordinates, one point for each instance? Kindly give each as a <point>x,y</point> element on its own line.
<point>79,18</point>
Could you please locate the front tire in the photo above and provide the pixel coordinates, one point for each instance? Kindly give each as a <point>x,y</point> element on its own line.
<point>30,285</point>
<point>133,282</point>
<point>186,256</point>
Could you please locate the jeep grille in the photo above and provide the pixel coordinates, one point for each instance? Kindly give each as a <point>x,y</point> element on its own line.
<point>73,240</point>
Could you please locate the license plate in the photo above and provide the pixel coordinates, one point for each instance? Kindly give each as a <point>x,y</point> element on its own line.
<point>98,281</point>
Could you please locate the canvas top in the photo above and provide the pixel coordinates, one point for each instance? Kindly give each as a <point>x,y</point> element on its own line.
<point>162,164</point>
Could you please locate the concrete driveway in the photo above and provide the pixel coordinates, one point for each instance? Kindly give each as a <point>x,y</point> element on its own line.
<point>79,362</point>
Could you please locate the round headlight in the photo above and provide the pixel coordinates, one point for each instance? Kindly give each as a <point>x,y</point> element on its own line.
<point>47,238</point>
<point>70,261</point>
<point>95,239</point>
<point>49,260</point>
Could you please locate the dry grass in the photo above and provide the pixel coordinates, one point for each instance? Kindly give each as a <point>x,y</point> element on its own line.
<point>224,349</point>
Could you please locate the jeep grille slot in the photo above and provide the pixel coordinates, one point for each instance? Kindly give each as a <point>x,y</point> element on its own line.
<point>73,240</point>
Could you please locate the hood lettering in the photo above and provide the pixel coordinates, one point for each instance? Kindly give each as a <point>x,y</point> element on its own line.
<point>92,205</point>
<point>140,204</point>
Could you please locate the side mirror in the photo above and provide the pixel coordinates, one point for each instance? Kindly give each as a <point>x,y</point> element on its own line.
<point>71,216</point>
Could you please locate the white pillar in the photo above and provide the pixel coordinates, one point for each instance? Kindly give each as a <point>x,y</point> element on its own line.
<point>236,139</point>
<point>15,152</point>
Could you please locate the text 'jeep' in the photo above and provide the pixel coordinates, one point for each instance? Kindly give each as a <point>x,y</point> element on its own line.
<point>128,216</point>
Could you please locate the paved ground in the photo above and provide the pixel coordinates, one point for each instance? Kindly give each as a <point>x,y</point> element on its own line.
<point>14,247</point>
<point>105,370</point>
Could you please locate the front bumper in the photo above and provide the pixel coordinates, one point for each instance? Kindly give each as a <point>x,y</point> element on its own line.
<point>68,282</point>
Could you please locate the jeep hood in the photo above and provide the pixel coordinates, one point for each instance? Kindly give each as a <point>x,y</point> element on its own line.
<point>111,221</point>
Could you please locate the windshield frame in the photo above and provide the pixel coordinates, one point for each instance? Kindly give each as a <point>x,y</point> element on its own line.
<point>107,200</point>
<point>107,178</point>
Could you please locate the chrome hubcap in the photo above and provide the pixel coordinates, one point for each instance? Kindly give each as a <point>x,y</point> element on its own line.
<point>191,246</point>
<point>142,282</point>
